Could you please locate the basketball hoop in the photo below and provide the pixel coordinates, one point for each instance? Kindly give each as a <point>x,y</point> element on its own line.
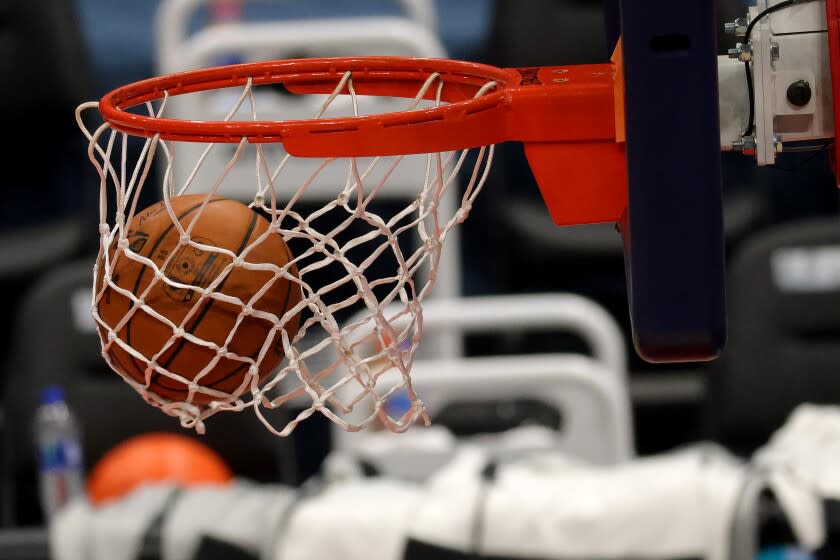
<point>454,112</point>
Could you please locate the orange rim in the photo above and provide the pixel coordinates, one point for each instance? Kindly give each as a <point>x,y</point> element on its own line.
<point>565,116</point>
<point>382,76</point>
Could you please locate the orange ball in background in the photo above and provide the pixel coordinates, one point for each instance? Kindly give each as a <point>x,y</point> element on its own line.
<point>151,458</point>
<point>152,234</point>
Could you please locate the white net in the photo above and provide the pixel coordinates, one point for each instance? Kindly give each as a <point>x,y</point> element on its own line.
<point>362,268</point>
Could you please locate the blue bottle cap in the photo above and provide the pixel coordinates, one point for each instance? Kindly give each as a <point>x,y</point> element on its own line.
<point>52,394</point>
<point>398,404</point>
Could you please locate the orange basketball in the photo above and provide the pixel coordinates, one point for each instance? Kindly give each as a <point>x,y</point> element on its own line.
<point>152,234</point>
<point>155,458</point>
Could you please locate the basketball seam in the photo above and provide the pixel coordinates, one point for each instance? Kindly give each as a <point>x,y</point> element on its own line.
<point>256,353</point>
<point>203,313</point>
<point>152,250</point>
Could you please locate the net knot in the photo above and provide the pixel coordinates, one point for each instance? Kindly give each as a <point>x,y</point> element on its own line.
<point>414,307</point>
<point>123,243</point>
<point>104,229</point>
<point>463,213</point>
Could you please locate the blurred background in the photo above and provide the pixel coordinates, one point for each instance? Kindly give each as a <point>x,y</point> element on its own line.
<point>784,345</point>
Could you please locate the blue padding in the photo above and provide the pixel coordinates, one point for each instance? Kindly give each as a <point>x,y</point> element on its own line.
<point>673,233</point>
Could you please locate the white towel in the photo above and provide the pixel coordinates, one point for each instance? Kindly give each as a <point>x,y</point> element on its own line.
<point>674,506</point>
<point>115,530</point>
<point>448,508</point>
<point>808,448</point>
<point>68,532</point>
<point>244,515</point>
<point>363,519</point>
<point>801,463</point>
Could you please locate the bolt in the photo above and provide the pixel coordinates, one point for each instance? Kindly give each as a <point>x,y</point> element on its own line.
<point>774,51</point>
<point>745,144</point>
<point>742,51</point>
<point>737,27</point>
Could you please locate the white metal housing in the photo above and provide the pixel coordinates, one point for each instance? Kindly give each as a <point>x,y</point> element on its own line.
<point>787,46</point>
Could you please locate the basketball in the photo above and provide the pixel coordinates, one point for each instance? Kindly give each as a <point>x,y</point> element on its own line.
<point>222,224</point>
<point>155,458</point>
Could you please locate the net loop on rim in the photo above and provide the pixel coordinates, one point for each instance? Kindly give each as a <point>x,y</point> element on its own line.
<point>363,267</point>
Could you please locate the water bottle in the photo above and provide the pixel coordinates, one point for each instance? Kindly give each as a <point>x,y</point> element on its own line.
<point>59,452</point>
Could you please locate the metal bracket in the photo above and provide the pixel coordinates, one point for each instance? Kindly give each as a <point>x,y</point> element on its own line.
<point>737,27</point>
<point>746,145</point>
<point>742,51</point>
